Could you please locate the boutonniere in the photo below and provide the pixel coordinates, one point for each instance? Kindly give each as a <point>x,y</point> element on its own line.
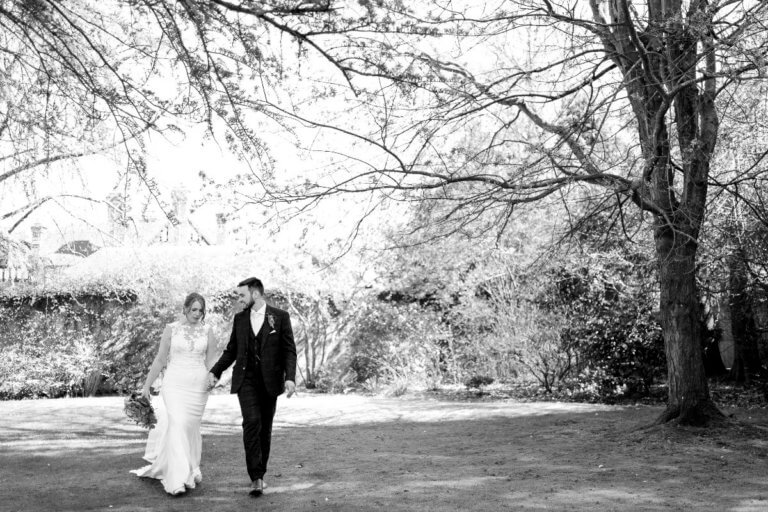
<point>271,320</point>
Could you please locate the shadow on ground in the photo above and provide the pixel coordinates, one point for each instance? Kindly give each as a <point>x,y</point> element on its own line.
<point>360,453</point>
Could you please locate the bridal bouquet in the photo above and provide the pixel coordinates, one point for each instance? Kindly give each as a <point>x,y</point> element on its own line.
<point>140,410</point>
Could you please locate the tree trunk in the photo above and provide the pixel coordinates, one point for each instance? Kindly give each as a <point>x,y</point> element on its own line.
<point>689,400</point>
<point>712,333</point>
<point>760,311</point>
<point>713,360</point>
<point>746,355</point>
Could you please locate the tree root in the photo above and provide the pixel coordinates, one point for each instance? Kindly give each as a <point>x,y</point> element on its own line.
<point>702,414</point>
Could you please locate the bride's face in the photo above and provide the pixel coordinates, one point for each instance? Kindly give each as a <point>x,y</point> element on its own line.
<point>195,313</point>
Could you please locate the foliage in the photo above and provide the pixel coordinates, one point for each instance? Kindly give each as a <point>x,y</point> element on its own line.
<point>320,326</point>
<point>613,327</point>
<point>335,378</point>
<point>125,296</point>
<point>47,356</point>
<point>581,322</point>
<point>478,381</point>
<point>91,340</point>
<point>395,345</point>
<point>538,345</point>
<point>132,344</point>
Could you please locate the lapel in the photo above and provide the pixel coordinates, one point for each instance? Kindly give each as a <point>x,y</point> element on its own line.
<point>265,328</point>
<point>245,326</point>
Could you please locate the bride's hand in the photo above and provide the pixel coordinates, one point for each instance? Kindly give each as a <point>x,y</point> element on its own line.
<point>212,380</point>
<point>145,392</point>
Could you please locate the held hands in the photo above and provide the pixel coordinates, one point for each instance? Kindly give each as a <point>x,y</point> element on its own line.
<point>145,392</point>
<point>212,380</point>
<point>290,388</point>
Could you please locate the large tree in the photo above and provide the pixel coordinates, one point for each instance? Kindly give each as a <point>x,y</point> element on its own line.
<point>515,101</point>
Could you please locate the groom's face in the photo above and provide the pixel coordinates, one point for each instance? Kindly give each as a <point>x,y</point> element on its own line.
<point>245,296</point>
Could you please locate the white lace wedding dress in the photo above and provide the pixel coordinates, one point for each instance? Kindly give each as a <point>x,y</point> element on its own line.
<point>174,446</point>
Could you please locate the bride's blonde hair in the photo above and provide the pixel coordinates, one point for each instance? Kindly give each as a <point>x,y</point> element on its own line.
<point>191,299</point>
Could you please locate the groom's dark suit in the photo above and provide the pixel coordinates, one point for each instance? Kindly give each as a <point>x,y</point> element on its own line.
<point>263,363</point>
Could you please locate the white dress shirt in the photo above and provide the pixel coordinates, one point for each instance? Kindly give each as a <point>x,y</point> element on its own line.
<point>257,319</point>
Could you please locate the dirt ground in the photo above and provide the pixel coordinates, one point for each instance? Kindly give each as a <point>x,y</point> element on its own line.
<point>351,452</point>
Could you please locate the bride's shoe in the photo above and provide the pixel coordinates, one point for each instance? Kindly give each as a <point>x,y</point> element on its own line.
<point>178,492</point>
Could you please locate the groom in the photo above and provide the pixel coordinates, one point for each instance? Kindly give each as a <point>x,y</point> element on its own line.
<point>262,348</point>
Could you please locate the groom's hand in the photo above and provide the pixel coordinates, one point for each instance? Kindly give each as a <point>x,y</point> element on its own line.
<point>212,380</point>
<point>290,388</point>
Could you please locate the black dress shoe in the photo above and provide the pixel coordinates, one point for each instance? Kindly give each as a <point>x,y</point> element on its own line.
<point>257,487</point>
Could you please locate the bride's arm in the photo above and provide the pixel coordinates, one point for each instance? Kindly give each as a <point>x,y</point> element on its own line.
<point>160,360</point>
<point>210,352</point>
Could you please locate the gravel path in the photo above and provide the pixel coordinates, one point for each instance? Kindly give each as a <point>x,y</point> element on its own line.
<point>351,452</point>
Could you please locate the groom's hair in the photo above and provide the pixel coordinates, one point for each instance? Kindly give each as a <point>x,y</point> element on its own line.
<point>253,283</point>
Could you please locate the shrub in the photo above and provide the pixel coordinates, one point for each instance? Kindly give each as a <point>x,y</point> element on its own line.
<point>48,359</point>
<point>528,334</point>
<point>395,344</point>
<point>398,385</point>
<point>478,381</point>
<point>588,327</point>
<point>132,344</point>
<point>334,380</point>
<point>618,340</point>
<point>77,346</point>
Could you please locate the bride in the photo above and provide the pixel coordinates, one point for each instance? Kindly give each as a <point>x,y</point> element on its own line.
<point>188,349</point>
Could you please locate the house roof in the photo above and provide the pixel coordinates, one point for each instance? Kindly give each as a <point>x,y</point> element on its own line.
<point>204,269</point>
<point>82,248</point>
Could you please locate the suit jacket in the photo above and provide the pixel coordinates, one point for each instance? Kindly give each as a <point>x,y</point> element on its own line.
<point>278,350</point>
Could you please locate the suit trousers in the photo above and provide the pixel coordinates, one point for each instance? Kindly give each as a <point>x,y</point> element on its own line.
<point>258,409</point>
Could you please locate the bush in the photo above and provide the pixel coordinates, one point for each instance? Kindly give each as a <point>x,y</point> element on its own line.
<point>528,333</point>
<point>478,381</point>
<point>396,346</point>
<point>78,347</point>
<point>618,340</point>
<point>120,329</point>
<point>49,359</point>
<point>132,343</point>
<point>587,328</point>
<point>334,380</point>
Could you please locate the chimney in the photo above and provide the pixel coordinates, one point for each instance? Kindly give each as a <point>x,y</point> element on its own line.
<point>5,252</point>
<point>37,231</point>
<point>116,217</point>
<point>180,232</point>
<point>221,228</point>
